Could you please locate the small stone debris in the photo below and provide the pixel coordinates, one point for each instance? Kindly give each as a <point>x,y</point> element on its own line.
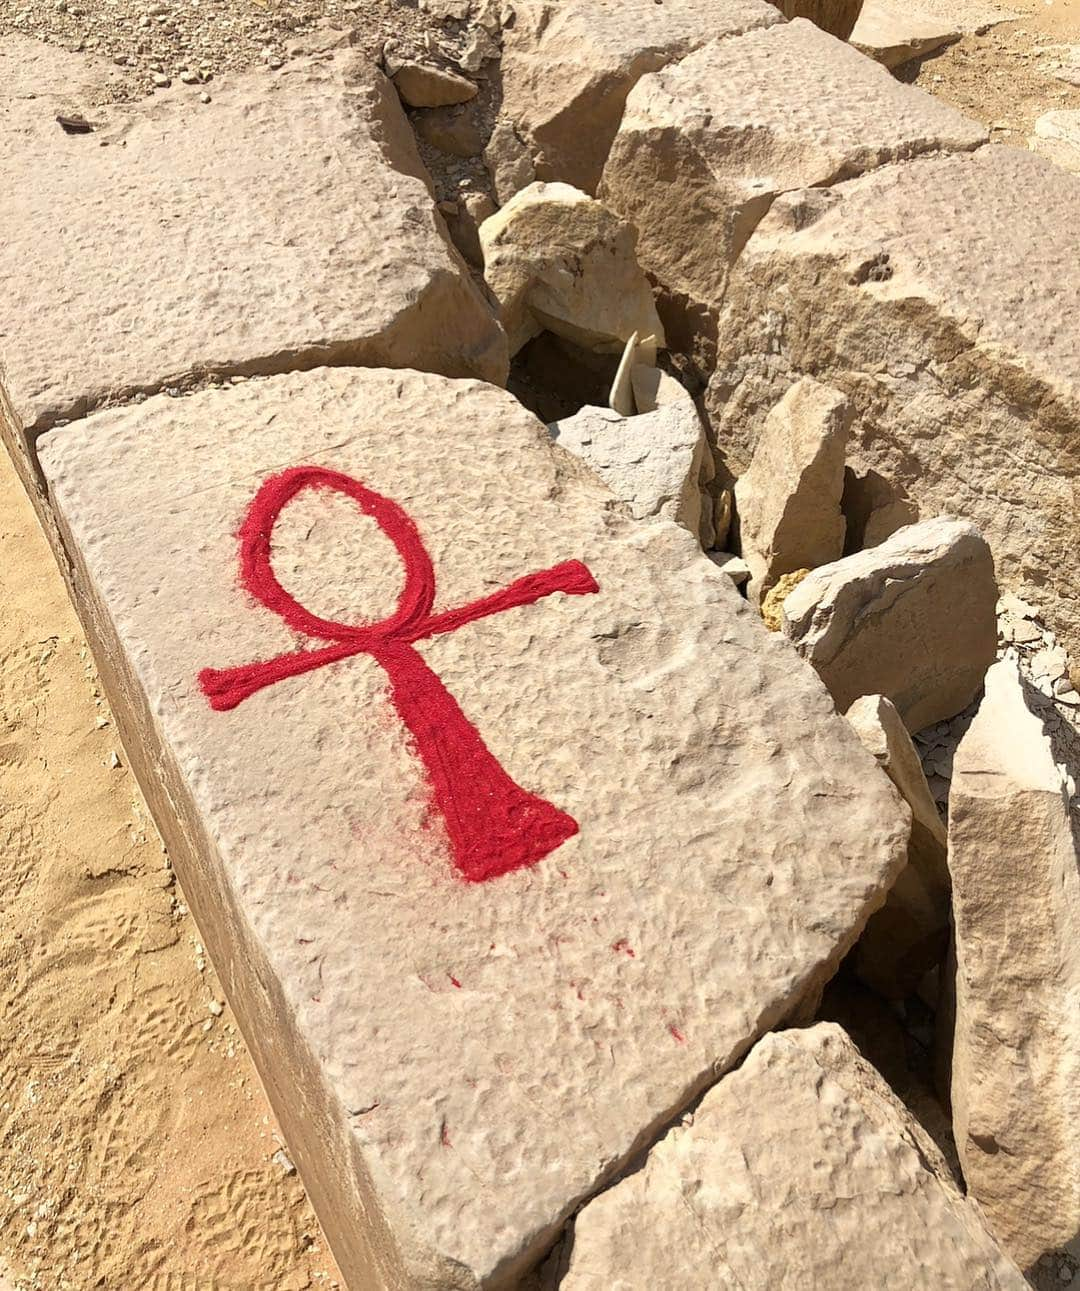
<point>216,1008</point>
<point>422,86</point>
<point>74,125</point>
<point>282,1159</point>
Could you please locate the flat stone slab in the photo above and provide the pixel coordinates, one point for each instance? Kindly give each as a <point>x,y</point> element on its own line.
<point>698,836</point>
<point>285,224</point>
<point>940,296</point>
<point>894,32</point>
<point>801,1169</point>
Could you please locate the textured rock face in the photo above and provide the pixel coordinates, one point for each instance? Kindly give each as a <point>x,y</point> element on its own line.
<point>1057,136</point>
<point>801,1169</point>
<point>837,17</point>
<point>568,66</point>
<point>938,296</point>
<point>1016,898</point>
<point>558,259</point>
<point>788,502</point>
<point>912,619</point>
<point>653,462</point>
<point>285,224</point>
<point>895,31</point>
<point>705,146</point>
<point>910,933</point>
<point>732,836</point>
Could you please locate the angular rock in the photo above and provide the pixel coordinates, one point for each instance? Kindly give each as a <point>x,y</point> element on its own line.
<point>966,383</point>
<point>1016,901</point>
<point>910,933</point>
<point>772,605</point>
<point>837,17</point>
<point>732,837</point>
<point>788,501</point>
<point>1057,137</point>
<point>557,259</point>
<point>706,145</point>
<point>423,86</point>
<point>893,32</point>
<point>733,566</point>
<point>654,462</point>
<point>285,224</point>
<point>912,619</point>
<point>567,68</point>
<point>801,1169</point>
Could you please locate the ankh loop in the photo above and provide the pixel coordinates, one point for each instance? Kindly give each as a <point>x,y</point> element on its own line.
<point>494,825</point>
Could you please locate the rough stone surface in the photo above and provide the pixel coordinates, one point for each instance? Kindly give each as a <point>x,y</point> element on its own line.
<point>772,606</point>
<point>910,933</point>
<point>654,462</point>
<point>286,224</point>
<point>457,1065</point>
<point>837,17</point>
<point>705,146</point>
<point>557,259</point>
<point>894,32</point>
<point>912,619</point>
<point>1057,137</point>
<point>1016,900</point>
<point>801,1169</point>
<point>568,66</point>
<point>421,86</point>
<point>939,296</point>
<point>788,502</point>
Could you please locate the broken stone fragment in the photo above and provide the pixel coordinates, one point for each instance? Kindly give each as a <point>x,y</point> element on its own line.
<point>912,619</point>
<point>871,290</point>
<point>788,501</point>
<point>910,933</point>
<point>654,388</point>
<point>706,145</point>
<point>734,566</point>
<point>508,162</point>
<point>423,86</point>
<point>720,839</point>
<point>801,1169</point>
<point>1016,902</point>
<point>558,260</point>
<point>1057,137</point>
<point>893,32</point>
<point>837,17</point>
<point>772,605</point>
<point>303,231</point>
<point>653,462</point>
<point>567,68</point>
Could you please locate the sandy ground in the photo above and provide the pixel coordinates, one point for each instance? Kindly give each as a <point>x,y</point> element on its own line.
<point>136,1147</point>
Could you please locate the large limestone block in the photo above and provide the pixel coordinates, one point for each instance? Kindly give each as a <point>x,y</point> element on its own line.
<point>894,32</point>
<point>912,619</point>
<point>457,1064</point>
<point>800,1170</point>
<point>285,224</point>
<point>788,502</point>
<point>568,66</point>
<point>706,145</point>
<point>910,933</point>
<point>1016,900</point>
<point>1057,136</point>
<point>557,259</point>
<point>837,17</point>
<point>940,296</point>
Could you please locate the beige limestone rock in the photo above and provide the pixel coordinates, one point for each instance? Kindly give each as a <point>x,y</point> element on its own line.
<point>456,1065</point>
<point>788,501</point>
<point>912,619</point>
<point>1057,137</point>
<point>910,933</point>
<point>706,145</point>
<point>772,606</point>
<point>285,224</point>
<point>801,1169</point>
<point>654,388</point>
<point>837,17</point>
<point>568,66</point>
<point>1016,901</point>
<point>894,32</point>
<point>654,462</point>
<point>424,86</point>
<point>733,566</point>
<point>939,296</point>
<point>557,259</point>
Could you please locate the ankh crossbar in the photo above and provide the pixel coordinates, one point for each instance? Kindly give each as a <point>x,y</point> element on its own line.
<point>494,825</point>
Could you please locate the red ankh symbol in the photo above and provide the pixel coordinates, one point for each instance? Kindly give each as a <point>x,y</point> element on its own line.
<point>494,825</point>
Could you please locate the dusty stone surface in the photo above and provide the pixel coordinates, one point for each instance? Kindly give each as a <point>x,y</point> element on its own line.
<point>705,146</point>
<point>1057,137</point>
<point>801,1169</point>
<point>893,33</point>
<point>911,619</point>
<point>837,17</point>
<point>567,68</point>
<point>654,462</point>
<point>287,224</point>
<point>423,86</point>
<point>1016,899</point>
<point>559,260</point>
<point>788,502</point>
<point>938,296</point>
<point>910,933</point>
<point>733,835</point>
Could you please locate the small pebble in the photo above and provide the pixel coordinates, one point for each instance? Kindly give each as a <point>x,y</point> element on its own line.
<point>216,1008</point>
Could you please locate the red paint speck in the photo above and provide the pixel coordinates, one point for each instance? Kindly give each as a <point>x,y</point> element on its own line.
<point>454,980</point>
<point>679,1037</point>
<point>564,874</point>
<point>624,946</point>
<point>444,1136</point>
